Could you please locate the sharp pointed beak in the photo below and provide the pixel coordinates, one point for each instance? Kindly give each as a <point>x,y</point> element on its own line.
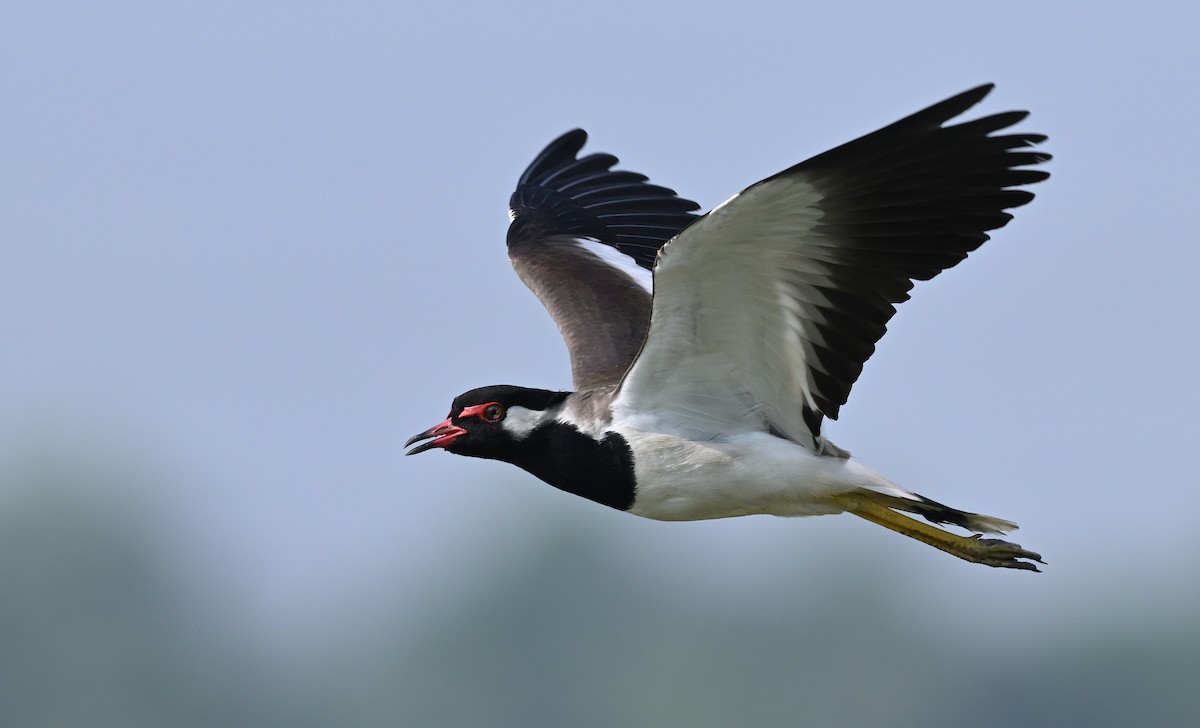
<point>439,436</point>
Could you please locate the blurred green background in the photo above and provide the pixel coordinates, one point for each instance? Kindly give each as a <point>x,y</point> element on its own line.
<point>568,627</point>
<point>246,250</point>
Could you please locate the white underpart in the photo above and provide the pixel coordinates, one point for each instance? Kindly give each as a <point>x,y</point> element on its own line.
<point>615,258</point>
<point>684,480</point>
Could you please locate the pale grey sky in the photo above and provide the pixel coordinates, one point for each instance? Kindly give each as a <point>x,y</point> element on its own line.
<point>250,248</point>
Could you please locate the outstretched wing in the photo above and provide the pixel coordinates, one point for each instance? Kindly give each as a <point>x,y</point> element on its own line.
<point>584,238</point>
<point>766,308</point>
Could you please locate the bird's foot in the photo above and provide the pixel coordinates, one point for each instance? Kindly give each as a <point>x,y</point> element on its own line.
<point>974,548</point>
<point>995,552</point>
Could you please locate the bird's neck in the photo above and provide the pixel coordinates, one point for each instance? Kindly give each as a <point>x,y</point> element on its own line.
<point>599,470</point>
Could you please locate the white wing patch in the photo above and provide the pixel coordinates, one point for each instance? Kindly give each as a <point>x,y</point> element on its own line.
<point>705,400</point>
<point>729,348</point>
<point>791,310</point>
<point>620,261</point>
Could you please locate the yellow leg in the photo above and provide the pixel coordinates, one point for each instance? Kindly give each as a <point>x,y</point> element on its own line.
<point>989,551</point>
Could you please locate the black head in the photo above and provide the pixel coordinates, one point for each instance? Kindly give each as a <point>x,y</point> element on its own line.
<point>490,422</point>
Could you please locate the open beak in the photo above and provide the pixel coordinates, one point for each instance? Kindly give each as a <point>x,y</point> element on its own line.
<point>439,436</point>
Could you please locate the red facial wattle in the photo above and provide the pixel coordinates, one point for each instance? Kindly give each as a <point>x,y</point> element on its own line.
<point>482,411</point>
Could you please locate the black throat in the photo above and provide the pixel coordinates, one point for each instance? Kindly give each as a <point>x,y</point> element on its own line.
<point>599,470</point>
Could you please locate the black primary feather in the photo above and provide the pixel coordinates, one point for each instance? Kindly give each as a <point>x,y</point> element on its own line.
<point>563,194</point>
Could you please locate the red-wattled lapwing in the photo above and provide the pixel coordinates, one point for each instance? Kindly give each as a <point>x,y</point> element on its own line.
<point>707,349</point>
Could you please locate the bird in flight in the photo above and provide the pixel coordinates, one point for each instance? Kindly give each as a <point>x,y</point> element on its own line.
<point>706,350</point>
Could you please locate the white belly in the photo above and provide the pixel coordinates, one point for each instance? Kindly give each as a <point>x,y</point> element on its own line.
<point>682,480</point>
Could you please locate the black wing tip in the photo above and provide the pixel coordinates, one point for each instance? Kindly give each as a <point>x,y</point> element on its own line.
<point>572,139</point>
<point>561,192</point>
<point>971,96</point>
<point>917,196</point>
<point>566,145</point>
<point>945,110</point>
<point>938,115</point>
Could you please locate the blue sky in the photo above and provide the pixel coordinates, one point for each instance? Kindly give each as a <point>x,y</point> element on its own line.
<point>247,251</point>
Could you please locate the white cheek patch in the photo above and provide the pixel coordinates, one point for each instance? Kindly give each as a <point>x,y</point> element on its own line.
<point>519,421</point>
